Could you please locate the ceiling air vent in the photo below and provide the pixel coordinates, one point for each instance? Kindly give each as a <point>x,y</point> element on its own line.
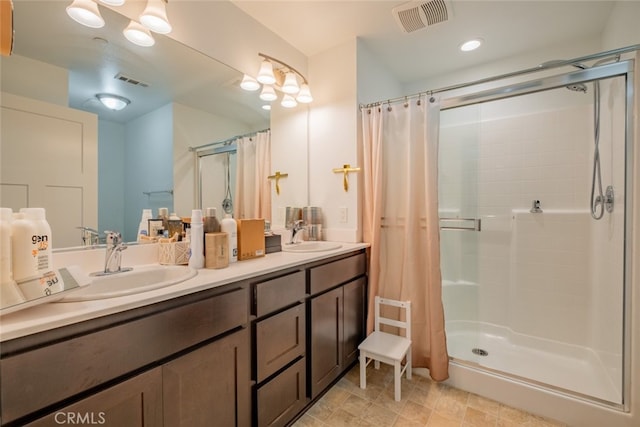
<point>417,15</point>
<point>130,80</point>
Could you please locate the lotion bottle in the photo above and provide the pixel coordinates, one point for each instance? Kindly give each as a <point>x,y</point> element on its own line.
<point>9,292</point>
<point>228,225</point>
<point>41,241</point>
<point>196,258</point>
<point>143,227</point>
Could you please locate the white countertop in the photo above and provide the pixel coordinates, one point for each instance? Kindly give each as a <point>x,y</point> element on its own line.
<point>54,315</point>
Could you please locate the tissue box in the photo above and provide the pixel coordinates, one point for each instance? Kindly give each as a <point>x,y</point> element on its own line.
<point>174,253</point>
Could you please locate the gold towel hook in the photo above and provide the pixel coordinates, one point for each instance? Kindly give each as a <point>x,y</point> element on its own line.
<point>277,177</point>
<point>345,169</point>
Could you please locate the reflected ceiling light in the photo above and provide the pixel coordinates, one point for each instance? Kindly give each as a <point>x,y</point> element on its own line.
<point>290,84</point>
<point>266,107</point>
<point>137,34</point>
<point>265,75</point>
<point>276,75</point>
<point>154,17</point>
<point>288,101</point>
<point>113,2</point>
<point>113,102</point>
<point>268,93</point>
<point>86,13</point>
<point>470,45</point>
<point>304,96</point>
<point>249,83</point>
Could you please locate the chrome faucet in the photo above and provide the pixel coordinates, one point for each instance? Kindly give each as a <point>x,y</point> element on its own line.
<point>298,225</point>
<point>113,254</point>
<point>90,237</point>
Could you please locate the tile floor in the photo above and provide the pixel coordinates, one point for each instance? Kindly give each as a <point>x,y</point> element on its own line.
<point>424,403</point>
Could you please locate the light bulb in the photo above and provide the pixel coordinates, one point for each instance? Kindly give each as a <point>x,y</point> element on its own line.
<point>290,84</point>
<point>154,17</point>
<point>86,13</point>
<point>113,2</point>
<point>265,75</point>
<point>113,102</point>
<point>288,101</point>
<point>304,96</point>
<point>249,83</point>
<point>137,34</point>
<point>268,93</point>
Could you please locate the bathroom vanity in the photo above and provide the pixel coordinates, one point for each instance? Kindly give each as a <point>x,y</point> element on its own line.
<point>250,347</point>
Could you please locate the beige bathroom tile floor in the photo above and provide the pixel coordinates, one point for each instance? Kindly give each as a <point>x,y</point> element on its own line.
<point>424,403</point>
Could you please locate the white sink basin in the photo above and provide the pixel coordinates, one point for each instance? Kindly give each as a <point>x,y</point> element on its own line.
<point>140,279</point>
<point>311,247</point>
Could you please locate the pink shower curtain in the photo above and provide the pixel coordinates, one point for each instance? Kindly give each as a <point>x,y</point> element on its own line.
<point>253,189</point>
<point>400,154</point>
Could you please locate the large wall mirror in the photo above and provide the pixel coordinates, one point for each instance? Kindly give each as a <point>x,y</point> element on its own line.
<point>179,98</point>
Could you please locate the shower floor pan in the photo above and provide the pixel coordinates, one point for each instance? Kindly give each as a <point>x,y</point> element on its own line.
<point>573,368</point>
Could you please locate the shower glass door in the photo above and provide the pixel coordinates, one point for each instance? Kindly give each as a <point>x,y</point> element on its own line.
<point>537,291</point>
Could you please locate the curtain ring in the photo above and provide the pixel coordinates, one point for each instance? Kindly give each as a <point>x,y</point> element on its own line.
<point>406,102</point>
<point>388,105</point>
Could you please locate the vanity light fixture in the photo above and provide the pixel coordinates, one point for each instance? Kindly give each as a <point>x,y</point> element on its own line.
<point>154,17</point>
<point>275,74</point>
<point>288,101</point>
<point>113,2</point>
<point>113,102</point>
<point>249,83</point>
<point>85,12</point>
<point>266,107</point>
<point>470,45</point>
<point>136,33</point>
<point>268,93</point>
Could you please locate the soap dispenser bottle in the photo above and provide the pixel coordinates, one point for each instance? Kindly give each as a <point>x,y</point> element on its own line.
<point>143,227</point>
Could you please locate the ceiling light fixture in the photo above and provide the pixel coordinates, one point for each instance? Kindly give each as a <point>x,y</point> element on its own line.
<point>154,17</point>
<point>470,45</point>
<point>113,102</point>
<point>275,74</point>
<point>86,13</point>
<point>138,34</point>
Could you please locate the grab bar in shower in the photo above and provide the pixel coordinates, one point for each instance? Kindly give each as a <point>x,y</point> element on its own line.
<point>461,224</point>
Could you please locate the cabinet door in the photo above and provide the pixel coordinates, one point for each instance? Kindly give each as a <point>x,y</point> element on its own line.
<point>210,386</point>
<point>280,399</point>
<point>279,340</point>
<point>354,321</point>
<point>132,403</point>
<point>326,339</point>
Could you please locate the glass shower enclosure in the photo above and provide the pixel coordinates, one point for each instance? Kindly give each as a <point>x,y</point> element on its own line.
<point>533,284</point>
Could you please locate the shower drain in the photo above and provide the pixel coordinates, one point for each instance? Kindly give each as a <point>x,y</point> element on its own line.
<point>480,352</point>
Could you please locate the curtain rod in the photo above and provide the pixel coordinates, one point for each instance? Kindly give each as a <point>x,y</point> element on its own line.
<point>540,67</point>
<point>233,138</point>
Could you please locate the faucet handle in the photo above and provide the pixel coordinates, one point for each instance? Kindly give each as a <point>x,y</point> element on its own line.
<point>113,237</point>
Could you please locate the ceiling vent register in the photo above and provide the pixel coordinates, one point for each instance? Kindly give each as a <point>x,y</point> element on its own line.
<point>417,15</point>
<point>124,78</point>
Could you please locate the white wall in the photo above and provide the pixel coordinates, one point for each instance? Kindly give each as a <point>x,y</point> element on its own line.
<point>333,131</point>
<point>34,79</point>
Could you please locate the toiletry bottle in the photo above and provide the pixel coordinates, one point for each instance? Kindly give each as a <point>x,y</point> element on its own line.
<point>175,225</point>
<point>196,259</point>
<point>163,214</point>
<point>41,243</point>
<point>143,228</point>
<point>9,292</point>
<point>228,225</point>
<point>24,259</point>
<point>211,224</point>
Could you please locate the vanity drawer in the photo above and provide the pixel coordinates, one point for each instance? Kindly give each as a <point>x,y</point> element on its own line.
<point>48,374</point>
<point>334,273</point>
<point>279,340</point>
<point>279,400</point>
<point>274,294</point>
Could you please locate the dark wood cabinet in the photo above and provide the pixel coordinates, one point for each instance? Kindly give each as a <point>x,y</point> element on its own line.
<point>283,397</point>
<point>209,386</point>
<point>136,402</point>
<point>336,319</point>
